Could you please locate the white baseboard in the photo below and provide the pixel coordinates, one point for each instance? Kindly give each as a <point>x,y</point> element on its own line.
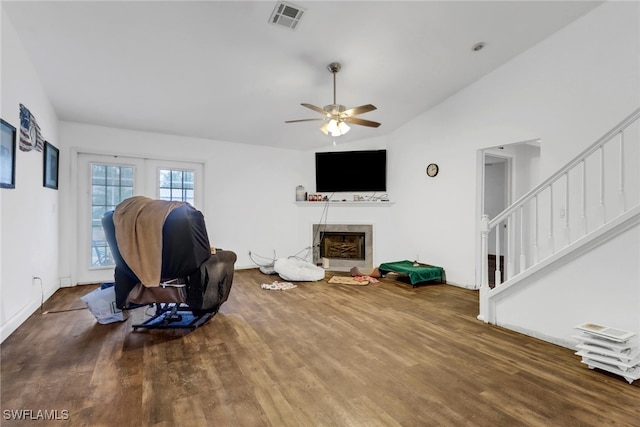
<point>245,267</point>
<point>471,287</point>
<point>543,337</point>
<point>18,319</point>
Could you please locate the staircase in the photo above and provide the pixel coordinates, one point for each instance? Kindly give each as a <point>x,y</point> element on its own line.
<point>592,199</point>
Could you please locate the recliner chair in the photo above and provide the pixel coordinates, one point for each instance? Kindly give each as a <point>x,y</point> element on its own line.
<point>194,281</point>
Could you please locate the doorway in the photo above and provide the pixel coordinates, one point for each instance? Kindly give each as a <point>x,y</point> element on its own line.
<point>504,173</point>
<point>497,197</point>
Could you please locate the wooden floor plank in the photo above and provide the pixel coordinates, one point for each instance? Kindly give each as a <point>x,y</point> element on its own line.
<point>321,354</point>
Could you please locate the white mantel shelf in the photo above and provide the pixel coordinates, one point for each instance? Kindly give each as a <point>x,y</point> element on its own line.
<point>341,203</point>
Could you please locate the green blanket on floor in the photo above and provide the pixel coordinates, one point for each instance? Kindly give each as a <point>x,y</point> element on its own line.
<point>417,273</point>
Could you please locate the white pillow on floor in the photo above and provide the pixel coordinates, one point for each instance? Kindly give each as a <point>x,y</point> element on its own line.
<point>297,270</point>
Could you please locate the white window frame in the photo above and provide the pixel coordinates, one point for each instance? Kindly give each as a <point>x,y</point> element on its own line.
<point>146,183</point>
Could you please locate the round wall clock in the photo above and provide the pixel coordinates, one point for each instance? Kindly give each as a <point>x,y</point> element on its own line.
<point>432,170</point>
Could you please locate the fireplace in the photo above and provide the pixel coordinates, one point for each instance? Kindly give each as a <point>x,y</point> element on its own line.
<point>343,246</point>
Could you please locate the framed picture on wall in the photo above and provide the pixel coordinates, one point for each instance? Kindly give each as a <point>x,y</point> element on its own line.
<point>50,176</point>
<point>7,155</point>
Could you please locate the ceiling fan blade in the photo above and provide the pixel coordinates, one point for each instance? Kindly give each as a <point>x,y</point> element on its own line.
<point>314,108</point>
<point>301,120</point>
<point>359,110</point>
<point>361,122</point>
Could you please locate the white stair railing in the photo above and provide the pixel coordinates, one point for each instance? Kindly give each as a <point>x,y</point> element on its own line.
<point>573,202</point>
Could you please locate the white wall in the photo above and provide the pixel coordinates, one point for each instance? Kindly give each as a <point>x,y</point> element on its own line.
<point>29,213</point>
<point>380,216</point>
<point>249,190</point>
<point>568,90</point>
<point>609,294</point>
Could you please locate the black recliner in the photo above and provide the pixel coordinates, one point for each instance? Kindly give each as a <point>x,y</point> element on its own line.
<point>196,282</point>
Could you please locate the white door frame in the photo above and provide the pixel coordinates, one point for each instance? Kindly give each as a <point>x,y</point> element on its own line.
<point>480,193</point>
<point>512,173</point>
<point>82,259</point>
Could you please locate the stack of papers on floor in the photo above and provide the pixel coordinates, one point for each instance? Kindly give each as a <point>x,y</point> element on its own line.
<point>610,349</point>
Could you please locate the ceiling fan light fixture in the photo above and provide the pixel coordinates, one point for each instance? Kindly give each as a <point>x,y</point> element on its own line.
<point>336,127</point>
<point>343,127</point>
<point>336,115</point>
<point>332,127</point>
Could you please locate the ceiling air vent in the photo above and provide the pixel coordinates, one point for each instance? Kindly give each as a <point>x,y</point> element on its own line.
<point>286,14</point>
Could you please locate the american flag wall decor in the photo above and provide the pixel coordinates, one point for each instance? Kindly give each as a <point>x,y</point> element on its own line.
<point>30,135</point>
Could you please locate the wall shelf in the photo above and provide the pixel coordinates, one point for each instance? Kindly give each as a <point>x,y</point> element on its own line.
<point>341,203</point>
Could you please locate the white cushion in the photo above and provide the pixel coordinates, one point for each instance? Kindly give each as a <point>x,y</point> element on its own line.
<point>267,269</point>
<point>297,270</point>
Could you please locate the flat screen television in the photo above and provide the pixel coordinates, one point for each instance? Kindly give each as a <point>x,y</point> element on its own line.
<point>344,171</point>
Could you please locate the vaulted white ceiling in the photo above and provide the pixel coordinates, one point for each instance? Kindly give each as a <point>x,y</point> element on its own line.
<point>220,70</point>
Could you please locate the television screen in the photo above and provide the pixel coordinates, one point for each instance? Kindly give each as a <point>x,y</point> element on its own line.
<point>342,171</point>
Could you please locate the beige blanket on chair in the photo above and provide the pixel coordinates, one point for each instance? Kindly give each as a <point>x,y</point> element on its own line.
<point>138,222</point>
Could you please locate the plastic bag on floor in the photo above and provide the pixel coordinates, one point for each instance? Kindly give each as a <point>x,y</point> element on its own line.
<point>102,304</point>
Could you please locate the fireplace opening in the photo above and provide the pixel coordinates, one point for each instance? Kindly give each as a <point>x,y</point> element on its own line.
<point>343,245</point>
<point>340,247</point>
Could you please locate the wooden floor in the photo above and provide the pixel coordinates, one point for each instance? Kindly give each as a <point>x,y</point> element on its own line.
<point>321,354</point>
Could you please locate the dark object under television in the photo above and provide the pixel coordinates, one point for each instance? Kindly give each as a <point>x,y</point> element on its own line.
<point>7,155</point>
<point>342,171</point>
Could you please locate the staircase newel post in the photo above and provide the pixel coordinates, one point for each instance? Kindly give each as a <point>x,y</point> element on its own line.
<point>484,285</point>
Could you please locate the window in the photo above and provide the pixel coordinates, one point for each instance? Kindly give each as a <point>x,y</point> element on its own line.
<point>110,184</point>
<point>175,184</point>
<point>103,181</point>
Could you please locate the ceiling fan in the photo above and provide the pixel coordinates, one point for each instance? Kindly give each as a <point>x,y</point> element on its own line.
<point>337,116</point>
